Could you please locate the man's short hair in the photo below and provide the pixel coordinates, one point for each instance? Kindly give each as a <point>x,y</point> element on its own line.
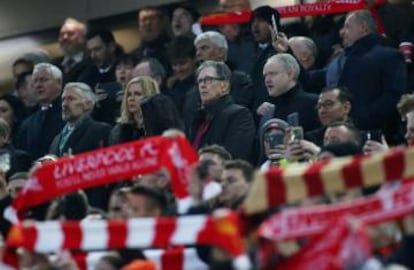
<point>351,127</point>
<point>50,69</point>
<point>308,43</point>
<point>155,198</point>
<point>85,89</point>
<point>217,150</point>
<point>343,93</point>
<point>105,35</point>
<point>365,16</point>
<point>288,62</point>
<point>155,66</point>
<point>214,37</point>
<point>222,70</point>
<point>246,168</point>
<point>126,59</point>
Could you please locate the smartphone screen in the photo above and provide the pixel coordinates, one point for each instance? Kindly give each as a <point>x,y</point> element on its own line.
<point>275,139</point>
<point>372,135</point>
<point>275,25</point>
<point>296,133</point>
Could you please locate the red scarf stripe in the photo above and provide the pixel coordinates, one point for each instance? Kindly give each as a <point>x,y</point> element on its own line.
<point>117,231</point>
<point>164,229</point>
<point>394,165</point>
<point>276,189</point>
<point>73,235</point>
<point>30,238</point>
<point>352,173</point>
<point>314,180</point>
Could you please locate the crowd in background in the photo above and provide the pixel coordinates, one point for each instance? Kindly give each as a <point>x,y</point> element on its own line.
<point>246,96</point>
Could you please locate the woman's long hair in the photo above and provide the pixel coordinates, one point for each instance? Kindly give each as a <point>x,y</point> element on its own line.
<point>150,88</point>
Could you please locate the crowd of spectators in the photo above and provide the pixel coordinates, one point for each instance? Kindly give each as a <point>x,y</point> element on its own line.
<point>246,96</point>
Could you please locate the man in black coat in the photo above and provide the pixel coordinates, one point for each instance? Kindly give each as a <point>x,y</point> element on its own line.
<point>213,46</point>
<point>375,75</point>
<point>72,42</point>
<point>281,74</point>
<point>81,133</point>
<point>38,130</point>
<point>220,121</point>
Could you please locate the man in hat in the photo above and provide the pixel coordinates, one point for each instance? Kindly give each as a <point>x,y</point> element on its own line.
<point>274,136</point>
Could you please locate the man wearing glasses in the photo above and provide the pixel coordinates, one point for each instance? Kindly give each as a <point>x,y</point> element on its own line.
<point>334,105</point>
<point>220,121</point>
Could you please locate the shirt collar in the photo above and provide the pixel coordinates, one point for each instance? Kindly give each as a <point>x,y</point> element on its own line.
<point>105,70</point>
<point>77,58</point>
<point>46,107</point>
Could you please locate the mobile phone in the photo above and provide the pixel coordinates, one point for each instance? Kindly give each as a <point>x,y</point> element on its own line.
<point>275,25</point>
<point>372,135</point>
<point>296,133</point>
<point>275,139</point>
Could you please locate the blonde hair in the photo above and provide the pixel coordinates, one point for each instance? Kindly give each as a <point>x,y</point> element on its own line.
<point>149,87</point>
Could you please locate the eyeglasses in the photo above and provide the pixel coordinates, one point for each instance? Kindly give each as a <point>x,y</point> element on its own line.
<point>209,80</point>
<point>326,105</point>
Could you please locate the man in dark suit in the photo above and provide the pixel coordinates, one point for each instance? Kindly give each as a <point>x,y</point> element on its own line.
<point>81,133</point>
<point>220,121</point>
<point>38,130</point>
<point>72,42</point>
<point>103,51</point>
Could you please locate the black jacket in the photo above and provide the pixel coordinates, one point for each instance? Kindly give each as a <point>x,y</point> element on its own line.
<point>295,100</point>
<point>376,77</point>
<point>38,130</point>
<point>230,125</point>
<point>87,135</point>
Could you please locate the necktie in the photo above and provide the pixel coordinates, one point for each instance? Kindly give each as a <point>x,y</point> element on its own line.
<point>64,138</point>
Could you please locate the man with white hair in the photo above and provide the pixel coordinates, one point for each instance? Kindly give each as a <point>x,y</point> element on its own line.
<point>281,73</point>
<point>212,46</point>
<point>81,133</point>
<point>305,50</point>
<point>38,130</point>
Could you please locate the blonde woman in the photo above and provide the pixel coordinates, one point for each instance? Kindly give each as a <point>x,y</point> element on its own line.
<point>144,112</point>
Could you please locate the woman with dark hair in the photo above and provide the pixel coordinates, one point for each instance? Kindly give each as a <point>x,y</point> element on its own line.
<point>144,112</point>
<point>12,111</point>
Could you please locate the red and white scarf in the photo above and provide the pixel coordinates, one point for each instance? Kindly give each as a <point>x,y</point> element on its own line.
<point>111,164</point>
